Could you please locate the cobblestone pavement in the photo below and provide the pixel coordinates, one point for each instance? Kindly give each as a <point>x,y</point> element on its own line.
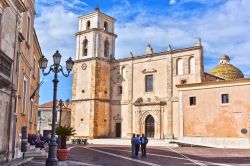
<point>108,155</point>
<point>120,155</point>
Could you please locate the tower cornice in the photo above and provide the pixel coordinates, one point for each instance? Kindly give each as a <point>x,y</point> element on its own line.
<point>96,30</point>
<point>91,59</point>
<point>89,15</point>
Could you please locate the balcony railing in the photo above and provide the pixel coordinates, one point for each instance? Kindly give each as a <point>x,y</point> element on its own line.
<point>5,65</point>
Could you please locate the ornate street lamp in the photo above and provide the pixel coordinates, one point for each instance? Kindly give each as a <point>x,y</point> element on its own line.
<point>56,68</point>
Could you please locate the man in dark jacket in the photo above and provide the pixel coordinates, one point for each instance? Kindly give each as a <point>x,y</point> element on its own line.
<point>144,142</point>
<point>137,144</point>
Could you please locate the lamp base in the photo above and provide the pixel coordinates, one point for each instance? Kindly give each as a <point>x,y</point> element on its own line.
<point>51,162</point>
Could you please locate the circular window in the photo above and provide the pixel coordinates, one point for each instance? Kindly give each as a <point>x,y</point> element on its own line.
<point>243,131</point>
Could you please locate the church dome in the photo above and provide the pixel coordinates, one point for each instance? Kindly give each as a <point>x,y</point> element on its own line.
<point>226,70</point>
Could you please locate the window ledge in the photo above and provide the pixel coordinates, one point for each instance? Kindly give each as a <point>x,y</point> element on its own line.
<point>225,104</point>
<point>149,92</point>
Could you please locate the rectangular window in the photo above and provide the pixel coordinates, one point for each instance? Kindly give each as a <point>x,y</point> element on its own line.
<point>35,113</point>
<point>39,113</point>
<point>183,81</point>
<point>24,96</point>
<point>5,65</point>
<point>18,55</point>
<point>224,98</point>
<point>192,101</point>
<point>31,111</point>
<point>0,18</point>
<point>120,90</point>
<point>149,83</point>
<point>28,29</point>
<point>0,23</point>
<point>34,65</point>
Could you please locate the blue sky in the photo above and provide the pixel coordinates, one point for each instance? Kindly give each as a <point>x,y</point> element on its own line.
<point>223,26</point>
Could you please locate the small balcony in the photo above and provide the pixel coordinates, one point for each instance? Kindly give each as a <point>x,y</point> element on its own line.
<point>5,70</point>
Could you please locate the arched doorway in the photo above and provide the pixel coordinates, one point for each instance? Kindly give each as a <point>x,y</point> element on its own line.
<point>149,126</point>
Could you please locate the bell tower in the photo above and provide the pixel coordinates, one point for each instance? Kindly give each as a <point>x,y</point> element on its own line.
<point>96,36</point>
<point>95,48</point>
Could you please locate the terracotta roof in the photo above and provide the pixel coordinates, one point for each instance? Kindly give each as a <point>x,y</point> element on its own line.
<point>46,105</point>
<point>217,78</point>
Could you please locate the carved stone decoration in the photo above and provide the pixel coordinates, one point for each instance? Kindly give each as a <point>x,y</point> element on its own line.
<point>117,117</point>
<point>138,101</point>
<point>149,50</point>
<point>198,42</point>
<point>169,48</point>
<point>149,70</point>
<point>119,78</point>
<point>84,66</point>
<point>149,101</point>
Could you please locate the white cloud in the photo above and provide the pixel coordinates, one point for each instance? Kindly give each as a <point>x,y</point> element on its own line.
<point>73,5</point>
<point>55,28</point>
<point>172,2</point>
<point>224,29</point>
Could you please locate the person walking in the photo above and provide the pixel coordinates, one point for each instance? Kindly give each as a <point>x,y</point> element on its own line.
<point>133,145</point>
<point>144,141</point>
<point>137,144</point>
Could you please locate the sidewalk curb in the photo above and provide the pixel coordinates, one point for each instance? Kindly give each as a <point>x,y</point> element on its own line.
<point>18,161</point>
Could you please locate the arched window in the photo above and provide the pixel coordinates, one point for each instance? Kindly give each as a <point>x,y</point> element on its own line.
<point>191,65</point>
<point>106,48</point>
<point>105,26</point>
<point>179,67</point>
<point>85,47</point>
<point>88,25</point>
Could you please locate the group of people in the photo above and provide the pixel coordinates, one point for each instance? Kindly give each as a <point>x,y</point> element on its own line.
<point>37,139</point>
<point>136,142</point>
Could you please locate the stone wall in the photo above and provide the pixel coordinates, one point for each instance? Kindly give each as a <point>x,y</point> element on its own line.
<point>209,117</point>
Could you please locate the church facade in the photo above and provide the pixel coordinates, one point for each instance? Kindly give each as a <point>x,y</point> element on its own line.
<point>139,94</point>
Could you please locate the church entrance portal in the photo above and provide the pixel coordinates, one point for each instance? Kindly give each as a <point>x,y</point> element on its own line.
<point>118,129</point>
<point>149,126</point>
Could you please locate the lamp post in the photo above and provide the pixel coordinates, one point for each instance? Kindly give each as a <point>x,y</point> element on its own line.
<point>62,105</point>
<point>56,68</point>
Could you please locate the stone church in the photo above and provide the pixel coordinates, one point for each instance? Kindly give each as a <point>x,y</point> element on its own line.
<point>139,94</point>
